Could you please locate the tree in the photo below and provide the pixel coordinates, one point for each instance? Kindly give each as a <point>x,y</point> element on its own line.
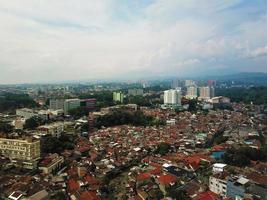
<point>33,123</point>
<point>177,194</point>
<point>192,105</point>
<point>5,127</point>
<point>163,148</point>
<point>11,101</point>
<point>79,112</point>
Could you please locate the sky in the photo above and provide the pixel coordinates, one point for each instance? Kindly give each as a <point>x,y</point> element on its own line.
<point>57,40</point>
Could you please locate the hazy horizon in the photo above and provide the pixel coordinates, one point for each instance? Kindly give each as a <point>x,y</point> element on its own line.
<point>60,40</point>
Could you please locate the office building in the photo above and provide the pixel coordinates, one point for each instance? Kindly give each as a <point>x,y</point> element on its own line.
<point>88,103</point>
<point>22,152</point>
<point>70,104</point>
<point>118,97</point>
<point>206,93</point>
<point>191,92</point>
<point>172,97</point>
<point>135,92</point>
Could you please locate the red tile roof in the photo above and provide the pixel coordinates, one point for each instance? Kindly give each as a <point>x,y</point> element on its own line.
<point>208,196</point>
<point>73,185</point>
<point>167,179</point>
<point>89,195</point>
<point>143,176</point>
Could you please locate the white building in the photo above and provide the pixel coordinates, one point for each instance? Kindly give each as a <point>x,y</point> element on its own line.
<point>54,129</point>
<point>172,97</point>
<point>218,167</point>
<point>189,83</point>
<point>206,93</point>
<point>220,99</point>
<point>191,92</point>
<point>218,184</point>
<point>51,164</point>
<point>26,113</point>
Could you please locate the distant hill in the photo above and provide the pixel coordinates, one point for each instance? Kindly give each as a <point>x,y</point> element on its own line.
<point>253,78</point>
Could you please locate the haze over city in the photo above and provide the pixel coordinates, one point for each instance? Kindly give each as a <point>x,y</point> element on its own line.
<point>44,41</point>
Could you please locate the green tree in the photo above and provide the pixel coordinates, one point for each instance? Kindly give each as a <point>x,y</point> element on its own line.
<point>33,123</point>
<point>5,127</point>
<point>163,148</point>
<point>177,194</point>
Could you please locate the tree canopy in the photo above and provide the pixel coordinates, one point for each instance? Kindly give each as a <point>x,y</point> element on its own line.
<point>10,102</point>
<point>257,95</point>
<point>136,118</point>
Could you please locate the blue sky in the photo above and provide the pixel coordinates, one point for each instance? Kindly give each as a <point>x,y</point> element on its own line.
<point>55,40</point>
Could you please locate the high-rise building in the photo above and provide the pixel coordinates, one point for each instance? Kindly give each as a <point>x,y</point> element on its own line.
<point>191,92</point>
<point>172,97</point>
<point>211,83</point>
<point>88,103</point>
<point>176,83</point>
<point>205,93</point>
<point>189,83</point>
<point>118,97</point>
<point>135,92</point>
<point>70,104</point>
<point>22,152</point>
<point>56,104</point>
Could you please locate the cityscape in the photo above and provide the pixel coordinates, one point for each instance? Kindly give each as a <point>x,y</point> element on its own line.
<point>133,100</point>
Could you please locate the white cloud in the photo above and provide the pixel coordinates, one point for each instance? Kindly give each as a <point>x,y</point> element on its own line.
<point>79,39</point>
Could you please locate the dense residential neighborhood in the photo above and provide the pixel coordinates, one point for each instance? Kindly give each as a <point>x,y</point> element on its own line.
<point>84,143</point>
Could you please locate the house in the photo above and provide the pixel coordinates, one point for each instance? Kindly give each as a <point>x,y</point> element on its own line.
<point>165,181</point>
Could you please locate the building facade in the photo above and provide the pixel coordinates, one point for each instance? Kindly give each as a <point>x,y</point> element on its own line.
<point>172,97</point>
<point>56,104</point>
<point>51,164</point>
<point>54,129</point>
<point>135,92</point>
<point>70,104</point>
<point>206,93</point>
<point>118,97</point>
<point>22,152</point>
<point>191,92</point>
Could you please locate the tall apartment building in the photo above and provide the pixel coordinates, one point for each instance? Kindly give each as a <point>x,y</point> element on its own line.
<point>135,92</point>
<point>175,83</point>
<point>172,97</point>
<point>189,83</point>
<point>70,104</point>
<point>205,93</point>
<point>211,83</point>
<point>56,104</point>
<point>191,92</point>
<point>118,96</point>
<point>22,152</point>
